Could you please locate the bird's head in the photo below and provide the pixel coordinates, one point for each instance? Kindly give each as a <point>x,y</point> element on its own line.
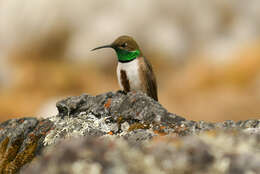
<point>126,48</point>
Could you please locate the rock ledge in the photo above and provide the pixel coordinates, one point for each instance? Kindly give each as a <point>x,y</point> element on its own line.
<point>126,133</point>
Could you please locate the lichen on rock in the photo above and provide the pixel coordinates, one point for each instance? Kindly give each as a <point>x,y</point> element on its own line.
<point>20,140</point>
<point>215,151</point>
<point>126,133</point>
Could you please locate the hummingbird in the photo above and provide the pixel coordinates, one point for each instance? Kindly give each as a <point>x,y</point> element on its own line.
<point>134,72</point>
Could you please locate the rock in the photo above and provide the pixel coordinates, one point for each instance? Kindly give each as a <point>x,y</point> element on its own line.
<point>211,152</point>
<point>133,106</point>
<point>126,133</point>
<point>111,113</point>
<point>20,140</point>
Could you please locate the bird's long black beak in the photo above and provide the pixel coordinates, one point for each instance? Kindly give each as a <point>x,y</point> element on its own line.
<point>105,46</point>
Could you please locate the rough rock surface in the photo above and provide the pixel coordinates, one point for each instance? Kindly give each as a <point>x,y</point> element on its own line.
<point>211,152</point>
<point>111,114</point>
<point>127,133</point>
<point>20,140</point>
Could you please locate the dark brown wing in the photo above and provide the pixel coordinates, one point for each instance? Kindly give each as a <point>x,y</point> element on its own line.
<point>150,80</point>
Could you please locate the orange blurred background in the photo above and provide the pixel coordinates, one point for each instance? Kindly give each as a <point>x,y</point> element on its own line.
<point>206,54</point>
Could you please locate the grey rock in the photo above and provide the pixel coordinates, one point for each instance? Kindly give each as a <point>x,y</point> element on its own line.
<point>131,133</point>
<point>129,115</point>
<point>24,129</point>
<point>204,153</point>
<point>132,106</point>
<point>20,140</point>
<point>111,113</point>
<point>249,124</point>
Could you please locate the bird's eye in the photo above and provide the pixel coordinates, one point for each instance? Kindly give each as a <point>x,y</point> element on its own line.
<point>124,45</point>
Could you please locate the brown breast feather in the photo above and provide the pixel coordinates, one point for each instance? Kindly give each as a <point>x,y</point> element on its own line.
<point>124,81</point>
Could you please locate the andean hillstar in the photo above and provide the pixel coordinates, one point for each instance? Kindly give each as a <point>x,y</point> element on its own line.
<point>134,72</point>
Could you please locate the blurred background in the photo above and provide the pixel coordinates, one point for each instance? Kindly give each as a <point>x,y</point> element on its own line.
<point>206,54</point>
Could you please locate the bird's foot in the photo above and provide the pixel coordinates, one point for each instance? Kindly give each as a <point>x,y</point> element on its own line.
<point>122,92</point>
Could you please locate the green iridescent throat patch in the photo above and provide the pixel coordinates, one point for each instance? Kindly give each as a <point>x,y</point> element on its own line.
<point>124,55</point>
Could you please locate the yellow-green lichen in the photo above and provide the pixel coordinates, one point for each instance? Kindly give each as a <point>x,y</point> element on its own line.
<point>11,159</point>
<point>138,126</point>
